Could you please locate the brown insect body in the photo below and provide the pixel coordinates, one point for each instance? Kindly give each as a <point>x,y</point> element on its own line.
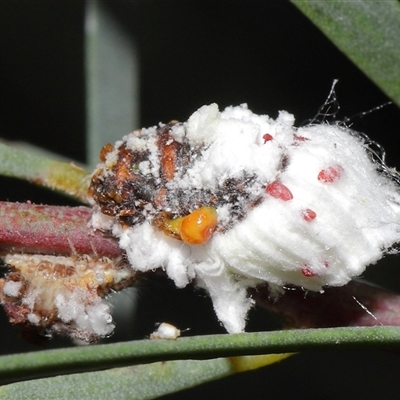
<point>123,191</point>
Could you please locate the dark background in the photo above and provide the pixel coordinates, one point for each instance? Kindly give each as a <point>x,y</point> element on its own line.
<point>264,53</point>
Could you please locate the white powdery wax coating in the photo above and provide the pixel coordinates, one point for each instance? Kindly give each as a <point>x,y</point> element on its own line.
<point>12,288</point>
<point>94,317</point>
<point>324,214</point>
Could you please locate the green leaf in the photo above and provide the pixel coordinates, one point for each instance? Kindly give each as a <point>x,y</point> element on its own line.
<point>112,79</point>
<point>57,175</point>
<point>157,377</point>
<point>368,32</point>
<point>90,358</point>
<point>138,382</point>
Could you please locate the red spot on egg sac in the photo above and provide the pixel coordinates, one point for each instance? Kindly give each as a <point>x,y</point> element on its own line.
<point>309,215</point>
<point>267,137</point>
<point>308,272</point>
<point>279,191</point>
<point>330,174</point>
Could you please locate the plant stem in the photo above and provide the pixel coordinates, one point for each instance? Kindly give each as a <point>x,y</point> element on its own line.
<point>60,230</point>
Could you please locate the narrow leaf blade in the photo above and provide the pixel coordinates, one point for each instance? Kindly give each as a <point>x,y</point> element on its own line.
<point>90,358</point>
<point>57,175</point>
<point>368,32</point>
<point>137,382</point>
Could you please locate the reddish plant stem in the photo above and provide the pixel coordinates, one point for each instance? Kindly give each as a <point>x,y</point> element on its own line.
<point>32,228</point>
<point>355,304</point>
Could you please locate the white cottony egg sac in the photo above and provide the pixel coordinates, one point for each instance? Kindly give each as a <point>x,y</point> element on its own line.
<point>233,199</point>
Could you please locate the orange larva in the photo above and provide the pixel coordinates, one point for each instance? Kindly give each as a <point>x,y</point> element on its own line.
<point>196,227</point>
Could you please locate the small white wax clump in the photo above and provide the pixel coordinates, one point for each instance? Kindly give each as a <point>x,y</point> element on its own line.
<point>166,331</point>
<point>89,317</point>
<point>12,288</point>
<point>321,209</point>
